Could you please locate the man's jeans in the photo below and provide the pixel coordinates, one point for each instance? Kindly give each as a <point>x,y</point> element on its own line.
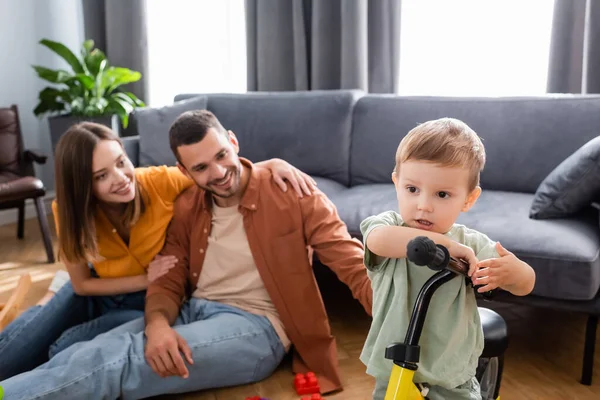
<point>41,332</point>
<point>229,347</point>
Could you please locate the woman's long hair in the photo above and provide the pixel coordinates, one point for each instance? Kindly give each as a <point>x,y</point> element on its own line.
<point>75,199</point>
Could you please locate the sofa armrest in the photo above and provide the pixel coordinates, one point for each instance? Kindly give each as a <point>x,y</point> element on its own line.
<point>132,148</point>
<point>35,156</point>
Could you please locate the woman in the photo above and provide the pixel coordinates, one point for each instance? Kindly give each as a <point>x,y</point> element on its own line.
<point>111,220</point>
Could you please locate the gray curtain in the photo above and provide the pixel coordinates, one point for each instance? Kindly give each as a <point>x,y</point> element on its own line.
<point>118,28</point>
<point>574,65</point>
<point>323,44</point>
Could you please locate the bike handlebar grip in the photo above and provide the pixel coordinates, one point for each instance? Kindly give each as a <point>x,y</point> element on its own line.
<point>423,251</point>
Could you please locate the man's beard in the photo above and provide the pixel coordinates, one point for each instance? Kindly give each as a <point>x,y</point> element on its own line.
<point>232,176</point>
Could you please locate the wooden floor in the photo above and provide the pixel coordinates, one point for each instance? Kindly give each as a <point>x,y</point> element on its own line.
<point>542,362</point>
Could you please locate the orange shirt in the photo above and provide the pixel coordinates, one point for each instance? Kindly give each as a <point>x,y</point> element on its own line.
<point>147,237</point>
<point>279,226</point>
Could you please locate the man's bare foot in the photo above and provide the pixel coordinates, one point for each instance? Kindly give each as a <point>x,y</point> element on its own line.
<point>60,278</point>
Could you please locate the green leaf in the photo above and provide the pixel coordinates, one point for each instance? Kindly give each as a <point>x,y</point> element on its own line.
<point>124,98</point>
<point>52,75</point>
<point>123,101</point>
<point>77,106</point>
<point>100,86</point>
<point>121,107</point>
<point>65,53</point>
<point>44,107</point>
<point>51,99</point>
<point>51,94</point>
<point>93,61</point>
<point>87,82</point>
<point>98,106</point>
<point>88,45</point>
<point>136,100</point>
<point>116,76</point>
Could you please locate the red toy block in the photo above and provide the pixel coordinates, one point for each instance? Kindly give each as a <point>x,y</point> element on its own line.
<point>256,398</point>
<point>307,384</point>
<point>315,396</point>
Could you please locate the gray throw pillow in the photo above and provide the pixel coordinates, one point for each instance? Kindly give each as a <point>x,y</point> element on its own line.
<point>152,124</point>
<point>573,185</point>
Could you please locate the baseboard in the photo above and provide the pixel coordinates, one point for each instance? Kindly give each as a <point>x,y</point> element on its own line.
<point>11,216</point>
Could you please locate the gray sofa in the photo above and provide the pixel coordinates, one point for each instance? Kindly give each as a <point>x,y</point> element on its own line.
<point>347,141</point>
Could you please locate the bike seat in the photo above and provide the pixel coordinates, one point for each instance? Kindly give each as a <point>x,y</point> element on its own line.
<point>495,333</point>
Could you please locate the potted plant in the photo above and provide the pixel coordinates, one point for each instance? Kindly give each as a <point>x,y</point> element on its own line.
<point>90,91</point>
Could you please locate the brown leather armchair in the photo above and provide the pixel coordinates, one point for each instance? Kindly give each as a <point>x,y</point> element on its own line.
<point>17,176</point>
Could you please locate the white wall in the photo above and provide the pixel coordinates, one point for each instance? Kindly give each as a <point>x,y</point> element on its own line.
<point>23,24</point>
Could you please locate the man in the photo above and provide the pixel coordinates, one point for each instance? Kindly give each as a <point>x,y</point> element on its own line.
<point>241,249</point>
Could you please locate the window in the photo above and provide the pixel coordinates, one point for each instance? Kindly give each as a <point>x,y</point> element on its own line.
<point>195,46</point>
<point>448,48</point>
<point>474,47</point>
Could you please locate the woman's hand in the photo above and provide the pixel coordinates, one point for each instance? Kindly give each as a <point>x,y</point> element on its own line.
<point>302,183</point>
<point>160,266</point>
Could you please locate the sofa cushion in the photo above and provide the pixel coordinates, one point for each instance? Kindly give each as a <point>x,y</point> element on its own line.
<point>152,125</point>
<point>563,252</point>
<point>357,203</point>
<point>329,186</point>
<point>309,129</point>
<point>132,149</point>
<point>513,130</point>
<point>572,186</point>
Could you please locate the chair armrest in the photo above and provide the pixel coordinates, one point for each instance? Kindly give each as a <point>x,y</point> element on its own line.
<point>35,156</point>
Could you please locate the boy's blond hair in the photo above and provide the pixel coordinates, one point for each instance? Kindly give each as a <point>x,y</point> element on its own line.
<point>445,141</point>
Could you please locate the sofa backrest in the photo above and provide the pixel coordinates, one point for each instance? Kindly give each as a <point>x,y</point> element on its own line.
<point>309,129</point>
<point>153,126</point>
<point>525,138</point>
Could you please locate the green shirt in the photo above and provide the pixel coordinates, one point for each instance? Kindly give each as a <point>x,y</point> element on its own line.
<point>452,338</point>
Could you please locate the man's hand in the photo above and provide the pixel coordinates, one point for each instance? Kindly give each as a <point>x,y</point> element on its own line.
<point>465,253</point>
<point>163,350</point>
<point>160,266</point>
<point>506,272</point>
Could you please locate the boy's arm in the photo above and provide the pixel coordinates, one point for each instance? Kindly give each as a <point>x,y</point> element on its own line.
<point>392,241</point>
<point>327,234</point>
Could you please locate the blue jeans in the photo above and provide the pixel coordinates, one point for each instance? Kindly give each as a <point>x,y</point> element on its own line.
<point>229,347</point>
<point>41,332</point>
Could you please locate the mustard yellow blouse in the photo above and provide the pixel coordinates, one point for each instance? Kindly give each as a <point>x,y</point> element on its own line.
<point>147,237</point>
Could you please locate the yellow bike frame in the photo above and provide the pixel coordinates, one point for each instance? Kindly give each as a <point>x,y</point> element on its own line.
<point>406,355</point>
<point>401,386</point>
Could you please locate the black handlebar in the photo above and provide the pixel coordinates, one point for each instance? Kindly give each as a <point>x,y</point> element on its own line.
<point>423,251</point>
